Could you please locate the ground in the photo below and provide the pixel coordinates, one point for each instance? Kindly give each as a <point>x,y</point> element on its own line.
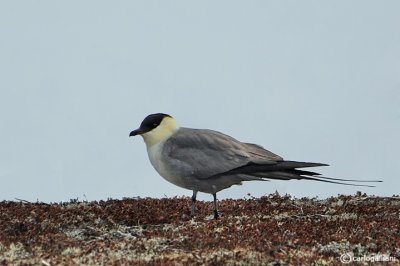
<point>271,230</point>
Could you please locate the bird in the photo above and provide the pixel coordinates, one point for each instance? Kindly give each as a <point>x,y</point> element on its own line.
<point>209,161</point>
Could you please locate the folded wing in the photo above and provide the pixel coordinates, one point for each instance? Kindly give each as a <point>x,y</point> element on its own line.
<point>208,153</point>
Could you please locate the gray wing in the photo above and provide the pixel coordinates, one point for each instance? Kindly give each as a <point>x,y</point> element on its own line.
<point>259,155</point>
<point>204,153</point>
<point>207,154</point>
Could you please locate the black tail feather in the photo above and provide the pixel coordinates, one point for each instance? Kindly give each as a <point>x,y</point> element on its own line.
<point>351,180</point>
<point>286,170</point>
<point>334,182</point>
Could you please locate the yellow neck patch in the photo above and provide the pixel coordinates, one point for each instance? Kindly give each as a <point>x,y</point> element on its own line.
<point>167,127</point>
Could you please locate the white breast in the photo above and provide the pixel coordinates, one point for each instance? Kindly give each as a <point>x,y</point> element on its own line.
<point>155,156</point>
<point>154,153</point>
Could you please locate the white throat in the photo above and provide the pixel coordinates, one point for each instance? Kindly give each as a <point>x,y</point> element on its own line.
<point>162,132</point>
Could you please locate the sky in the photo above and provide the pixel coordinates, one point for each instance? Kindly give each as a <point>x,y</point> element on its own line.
<point>311,81</point>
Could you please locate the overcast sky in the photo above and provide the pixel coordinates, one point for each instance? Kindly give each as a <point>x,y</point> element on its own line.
<point>309,80</point>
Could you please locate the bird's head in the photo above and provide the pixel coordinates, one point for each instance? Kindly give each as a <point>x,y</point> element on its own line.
<point>155,128</point>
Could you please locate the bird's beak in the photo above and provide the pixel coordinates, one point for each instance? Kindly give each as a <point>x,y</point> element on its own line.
<point>136,132</point>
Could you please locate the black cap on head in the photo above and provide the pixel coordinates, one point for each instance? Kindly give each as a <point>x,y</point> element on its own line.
<point>150,122</point>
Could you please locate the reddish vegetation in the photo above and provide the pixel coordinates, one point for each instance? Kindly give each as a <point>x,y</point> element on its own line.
<point>270,229</point>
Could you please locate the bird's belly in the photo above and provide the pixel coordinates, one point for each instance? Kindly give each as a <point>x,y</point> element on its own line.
<point>182,175</point>
<point>164,170</point>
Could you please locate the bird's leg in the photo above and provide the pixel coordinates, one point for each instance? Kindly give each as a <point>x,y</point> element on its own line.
<point>193,210</point>
<point>216,215</point>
